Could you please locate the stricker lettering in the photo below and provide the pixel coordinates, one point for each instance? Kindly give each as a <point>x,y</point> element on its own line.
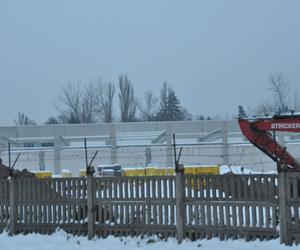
<point>285,125</point>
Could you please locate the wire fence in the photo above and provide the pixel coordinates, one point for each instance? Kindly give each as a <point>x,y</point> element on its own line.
<point>74,159</point>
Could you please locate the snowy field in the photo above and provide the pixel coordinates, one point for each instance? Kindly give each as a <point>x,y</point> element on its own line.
<point>62,241</point>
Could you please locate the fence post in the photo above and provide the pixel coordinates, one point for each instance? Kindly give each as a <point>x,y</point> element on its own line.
<point>90,204</point>
<point>180,209</point>
<point>283,208</point>
<point>12,205</point>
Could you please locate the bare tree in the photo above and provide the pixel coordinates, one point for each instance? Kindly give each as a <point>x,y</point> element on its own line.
<point>90,108</point>
<point>105,94</point>
<point>164,100</point>
<point>149,106</point>
<point>128,102</point>
<point>23,119</point>
<point>283,99</point>
<point>296,101</point>
<point>280,89</point>
<point>70,98</point>
<point>263,109</point>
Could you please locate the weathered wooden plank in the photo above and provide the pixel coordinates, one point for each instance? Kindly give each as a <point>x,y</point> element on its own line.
<point>283,192</point>
<point>214,196</point>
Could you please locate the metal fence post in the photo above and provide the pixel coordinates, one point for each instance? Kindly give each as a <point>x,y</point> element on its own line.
<point>12,205</point>
<point>283,208</point>
<point>180,209</point>
<point>90,205</point>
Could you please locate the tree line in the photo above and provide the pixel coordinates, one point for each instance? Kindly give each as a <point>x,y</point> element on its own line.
<point>95,102</point>
<point>284,99</point>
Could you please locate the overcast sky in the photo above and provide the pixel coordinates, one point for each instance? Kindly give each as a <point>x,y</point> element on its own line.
<point>215,54</point>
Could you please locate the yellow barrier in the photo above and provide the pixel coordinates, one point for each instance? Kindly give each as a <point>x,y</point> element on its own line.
<point>43,174</point>
<point>159,171</point>
<point>82,172</point>
<point>134,172</point>
<point>208,170</point>
<point>152,171</point>
<point>190,170</point>
<point>66,174</point>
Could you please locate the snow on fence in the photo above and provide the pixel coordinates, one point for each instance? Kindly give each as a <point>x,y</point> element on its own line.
<point>224,206</point>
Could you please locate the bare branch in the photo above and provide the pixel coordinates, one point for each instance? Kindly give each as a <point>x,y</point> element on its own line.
<point>280,89</point>
<point>70,98</point>
<point>105,94</point>
<point>23,119</point>
<point>149,106</point>
<point>89,104</point>
<point>128,103</point>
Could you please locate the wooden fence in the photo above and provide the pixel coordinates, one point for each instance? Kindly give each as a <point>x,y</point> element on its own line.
<point>135,205</point>
<point>4,203</point>
<point>290,207</point>
<point>224,206</point>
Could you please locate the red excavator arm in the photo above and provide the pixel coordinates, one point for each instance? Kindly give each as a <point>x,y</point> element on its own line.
<point>258,133</point>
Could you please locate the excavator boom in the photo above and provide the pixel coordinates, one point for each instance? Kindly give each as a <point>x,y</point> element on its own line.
<point>258,133</point>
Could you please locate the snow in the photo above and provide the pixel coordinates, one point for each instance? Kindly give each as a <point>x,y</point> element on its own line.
<point>63,241</point>
<point>240,170</point>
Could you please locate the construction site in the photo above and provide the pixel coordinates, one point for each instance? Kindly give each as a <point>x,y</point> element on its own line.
<point>161,178</point>
<point>60,148</point>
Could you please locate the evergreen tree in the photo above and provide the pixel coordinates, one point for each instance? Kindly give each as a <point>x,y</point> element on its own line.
<point>242,113</point>
<point>174,112</point>
<point>51,120</point>
<point>170,109</point>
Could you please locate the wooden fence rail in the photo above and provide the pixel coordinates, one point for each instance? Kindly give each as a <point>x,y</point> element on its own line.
<point>224,206</point>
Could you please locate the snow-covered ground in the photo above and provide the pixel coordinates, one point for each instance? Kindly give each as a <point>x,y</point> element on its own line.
<point>240,170</point>
<point>62,241</point>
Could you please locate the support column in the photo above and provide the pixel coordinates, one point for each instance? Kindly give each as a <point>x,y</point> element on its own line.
<point>169,145</point>
<point>148,155</point>
<point>225,143</point>
<point>57,152</point>
<point>281,139</point>
<point>113,144</point>
<point>42,165</point>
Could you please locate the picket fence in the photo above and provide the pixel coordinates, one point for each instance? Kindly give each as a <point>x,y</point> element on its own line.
<point>204,206</point>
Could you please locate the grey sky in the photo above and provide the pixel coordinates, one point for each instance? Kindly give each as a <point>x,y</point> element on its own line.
<point>215,54</point>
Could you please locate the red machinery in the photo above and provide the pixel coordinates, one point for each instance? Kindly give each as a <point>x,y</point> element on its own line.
<point>257,131</point>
